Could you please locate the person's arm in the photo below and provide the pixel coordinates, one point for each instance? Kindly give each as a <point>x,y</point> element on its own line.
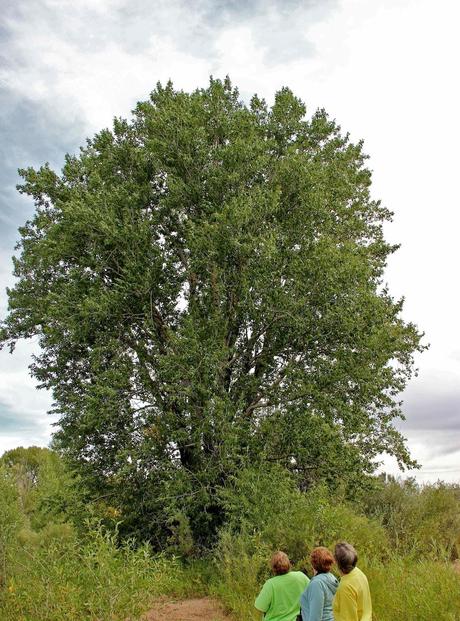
<point>312,602</point>
<point>263,600</point>
<point>304,605</point>
<point>347,604</point>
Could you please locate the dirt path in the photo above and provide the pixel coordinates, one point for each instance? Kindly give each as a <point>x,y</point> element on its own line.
<point>203,609</point>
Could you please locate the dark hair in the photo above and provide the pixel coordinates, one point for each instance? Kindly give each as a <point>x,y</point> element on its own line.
<point>346,557</point>
<point>321,560</point>
<point>280,563</point>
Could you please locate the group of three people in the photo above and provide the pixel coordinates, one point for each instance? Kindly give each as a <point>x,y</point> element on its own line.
<point>291,595</point>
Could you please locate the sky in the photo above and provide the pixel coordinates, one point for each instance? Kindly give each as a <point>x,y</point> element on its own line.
<point>385,70</point>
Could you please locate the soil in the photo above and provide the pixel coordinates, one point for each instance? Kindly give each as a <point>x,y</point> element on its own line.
<point>203,609</point>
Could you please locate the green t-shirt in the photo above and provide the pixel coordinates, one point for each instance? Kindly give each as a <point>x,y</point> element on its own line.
<point>279,598</point>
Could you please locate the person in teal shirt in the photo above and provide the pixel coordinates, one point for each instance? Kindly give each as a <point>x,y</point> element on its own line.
<point>316,600</point>
<point>279,598</point>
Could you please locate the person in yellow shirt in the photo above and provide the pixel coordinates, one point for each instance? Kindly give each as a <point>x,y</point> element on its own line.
<point>352,601</point>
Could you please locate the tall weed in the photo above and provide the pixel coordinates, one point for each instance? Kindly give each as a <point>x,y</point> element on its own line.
<point>418,591</point>
<point>97,580</point>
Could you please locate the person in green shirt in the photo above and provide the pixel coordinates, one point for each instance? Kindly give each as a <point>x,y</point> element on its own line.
<point>352,601</point>
<point>279,598</point>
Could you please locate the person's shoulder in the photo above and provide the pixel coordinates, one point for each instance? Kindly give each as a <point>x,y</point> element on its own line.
<point>264,598</point>
<point>315,583</point>
<point>352,582</point>
<point>349,581</point>
<point>267,588</point>
<point>300,577</point>
<point>271,581</point>
<point>360,574</point>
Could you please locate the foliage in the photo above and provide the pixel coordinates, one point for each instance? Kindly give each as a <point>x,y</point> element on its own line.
<point>62,578</point>
<point>47,490</point>
<point>60,562</point>
<point>11,521</point>
<point>206,284</point>
<point>267,512</point>
<point>404,589</point>
<point>420,520</point>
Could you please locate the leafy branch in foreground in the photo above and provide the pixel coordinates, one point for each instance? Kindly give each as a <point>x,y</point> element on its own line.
<point>206,284</point>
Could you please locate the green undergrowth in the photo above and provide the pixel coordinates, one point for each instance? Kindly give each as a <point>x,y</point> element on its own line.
<point>416,590</point>
<point>55,578</point>
<point>408,561</point>
<point>56,565</point>
<point>402,589</point>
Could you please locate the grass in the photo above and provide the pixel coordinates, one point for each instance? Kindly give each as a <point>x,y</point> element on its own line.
<point>99,581</point>
<point>65,580</point>
<point>403,589</point>
<point>52,574</point>
<point>414,590</point>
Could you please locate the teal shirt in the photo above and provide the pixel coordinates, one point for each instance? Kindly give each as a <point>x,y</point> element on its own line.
<point>316,600</point>
<point>279,598</point>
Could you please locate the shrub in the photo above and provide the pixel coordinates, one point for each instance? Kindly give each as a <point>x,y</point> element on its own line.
<point>265,512</point>
<point>421,521</point>
<point>57,577</point>
<point>11,520</point>
<point>267,504</point>
<point>422,591</point>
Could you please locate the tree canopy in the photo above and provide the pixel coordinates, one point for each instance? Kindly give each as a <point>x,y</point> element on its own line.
<point>206,282</point>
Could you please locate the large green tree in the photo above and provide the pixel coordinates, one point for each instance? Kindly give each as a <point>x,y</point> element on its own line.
<point>206,284</point>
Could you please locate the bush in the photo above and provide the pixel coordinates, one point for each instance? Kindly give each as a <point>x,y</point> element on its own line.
<point>420,521</point>
<point>422,591</point>
<point>57,577</point>
<point>266,512</point>
<point>267,504</point>
<point>47,491</point>
<point>11,520</point>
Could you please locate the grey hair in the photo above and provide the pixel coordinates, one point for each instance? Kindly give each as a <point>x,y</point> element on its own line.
<point>346,557</point>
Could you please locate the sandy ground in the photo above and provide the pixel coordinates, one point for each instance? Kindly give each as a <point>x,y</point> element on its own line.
<point>203,609</point>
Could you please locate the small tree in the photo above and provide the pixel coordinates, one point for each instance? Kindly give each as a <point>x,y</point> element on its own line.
<point>46,491</point>
<point>206,284</point>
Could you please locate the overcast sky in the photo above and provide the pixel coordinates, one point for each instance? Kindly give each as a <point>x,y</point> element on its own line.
<point>387,70</point>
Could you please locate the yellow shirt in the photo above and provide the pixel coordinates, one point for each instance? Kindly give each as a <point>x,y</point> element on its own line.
<point>352,601</point>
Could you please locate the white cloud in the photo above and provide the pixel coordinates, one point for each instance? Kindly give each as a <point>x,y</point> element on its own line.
<point>429,449</point>
<point>18,390</point>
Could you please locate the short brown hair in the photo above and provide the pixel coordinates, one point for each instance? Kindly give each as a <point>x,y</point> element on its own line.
<point>321,560</point>
<point>346,557</point>
<point>280,563</point>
